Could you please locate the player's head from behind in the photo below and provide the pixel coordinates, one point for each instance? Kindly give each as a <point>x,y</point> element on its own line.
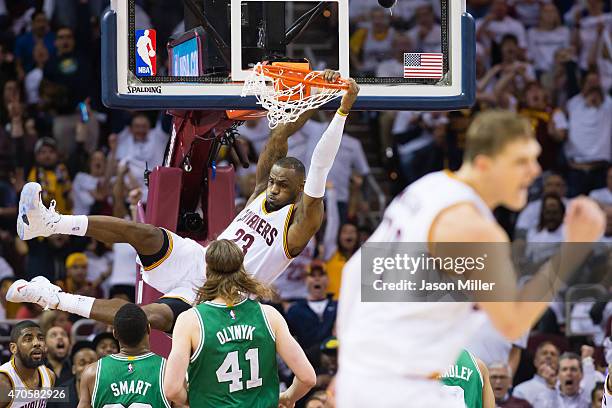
<point>226,278</point>
<point>503,153</point>
<point>285,183</point>
<point>28,344</point>
<point>131,327</point>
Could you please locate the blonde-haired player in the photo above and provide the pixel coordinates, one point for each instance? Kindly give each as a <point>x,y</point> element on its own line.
<point>409,343</point>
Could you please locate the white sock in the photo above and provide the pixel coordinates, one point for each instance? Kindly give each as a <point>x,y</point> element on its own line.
<point>72,225</point>
<point>77,304</point>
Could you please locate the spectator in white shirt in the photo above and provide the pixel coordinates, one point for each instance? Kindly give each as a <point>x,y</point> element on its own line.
<point>600,55</point>
<point>588,147</point>
<point>546,362</point>
<point>544,240</point>
<point>141,147</point>
<point>604,195</point>
<point>508,79</point>
<point>570,393</point>
<point>588,27</point>
<point>255,131</point>
<point>426,35</point>
<point>92,187</point>
<point>530,215</point>
<point>394,67</point>
<point>34,77</point>
<point>372,44</point>
<point>528,11</point>
<point>496,24</point>
<point>544,40</point>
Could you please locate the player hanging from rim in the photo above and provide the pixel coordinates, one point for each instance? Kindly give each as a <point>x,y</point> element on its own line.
<point>240,338</point>
<point>134,376</point>
<point>26,370</point>
<point>468,382</point>
<point>500,163</point>
<point>272,229</point>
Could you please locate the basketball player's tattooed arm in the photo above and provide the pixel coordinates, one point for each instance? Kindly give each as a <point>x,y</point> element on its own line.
<point>488,399</point>
<point>276,149</point>
<point>5,388</point>
<point>87,383</point>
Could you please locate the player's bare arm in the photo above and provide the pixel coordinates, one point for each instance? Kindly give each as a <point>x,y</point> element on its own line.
<point>462,223</point>
<point>184,338</point>
<point>293,355</point>
<point>309,210</point>
<point>5,388</point>
<point>488,399</point>
<point>88,379</point>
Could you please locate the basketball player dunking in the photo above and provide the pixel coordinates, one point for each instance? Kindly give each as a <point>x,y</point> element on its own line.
<point>282,215</point>
<point>26,370</point>
<point>414,342</point>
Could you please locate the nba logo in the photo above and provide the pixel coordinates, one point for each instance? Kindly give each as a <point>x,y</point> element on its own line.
<point>146,55</point>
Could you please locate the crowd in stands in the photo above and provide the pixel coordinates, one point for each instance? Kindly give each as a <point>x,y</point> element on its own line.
<point>548,60</point>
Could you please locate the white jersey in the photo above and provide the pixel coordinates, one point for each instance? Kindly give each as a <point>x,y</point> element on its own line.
<point>262,235</point>
<point>407,339</point>
<point>9,370</point>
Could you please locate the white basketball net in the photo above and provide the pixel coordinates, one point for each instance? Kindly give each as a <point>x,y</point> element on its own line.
<point>274,96</point>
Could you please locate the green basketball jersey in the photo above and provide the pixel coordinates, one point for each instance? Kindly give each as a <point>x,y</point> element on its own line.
<point>465,379</point>
<point>235,362</point>
<point>134,381</point>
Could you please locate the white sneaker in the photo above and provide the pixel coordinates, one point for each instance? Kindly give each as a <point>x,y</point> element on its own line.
<point>39,290</point>
<point>34,219</point>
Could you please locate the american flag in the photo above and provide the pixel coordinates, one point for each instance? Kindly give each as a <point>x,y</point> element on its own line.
<point>422,65</point>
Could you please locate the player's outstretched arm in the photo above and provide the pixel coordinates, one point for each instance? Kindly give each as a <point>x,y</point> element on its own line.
<point>293,355</point>
<point>276,148</point>
<point>488,399</point>
<point>183,336</point>
<point>585,223</point>
<point>309,211</point>
<point>88,378</point>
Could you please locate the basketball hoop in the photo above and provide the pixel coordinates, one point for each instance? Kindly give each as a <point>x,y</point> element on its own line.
<point>286,90</point>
